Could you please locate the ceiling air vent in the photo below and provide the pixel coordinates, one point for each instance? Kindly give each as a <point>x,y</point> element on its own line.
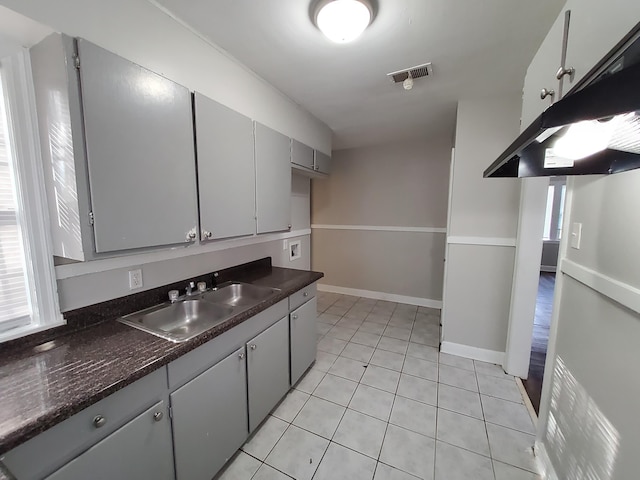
<point>419,71</point>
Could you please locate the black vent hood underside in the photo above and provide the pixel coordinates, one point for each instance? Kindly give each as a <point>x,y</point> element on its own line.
<point>608,96</point>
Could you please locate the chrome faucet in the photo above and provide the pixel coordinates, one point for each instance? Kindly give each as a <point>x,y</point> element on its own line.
<point>190,288</point>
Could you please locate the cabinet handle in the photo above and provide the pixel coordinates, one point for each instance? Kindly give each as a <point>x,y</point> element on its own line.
<point>316,167</point>
<point>191,236</point>
<point>289,226</point>
<point>305,294</point>
<point>158,416</point>
<point>562,71</point>
<point>99,421</point>
<point>294,317</point>
<point>241,356</point>
<point>207,234</point>
<point>544,93</point>
<point>253,346</point>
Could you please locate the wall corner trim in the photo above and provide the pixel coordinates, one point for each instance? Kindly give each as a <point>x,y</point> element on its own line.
<point>474,353</point>
<point>390,297</point>
<point>543,461</point>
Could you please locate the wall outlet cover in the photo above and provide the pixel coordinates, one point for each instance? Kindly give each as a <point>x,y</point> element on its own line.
<point>135,279</point>
<point>295,250</point>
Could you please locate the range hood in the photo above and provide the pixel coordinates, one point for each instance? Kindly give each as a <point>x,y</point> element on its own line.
<point>594,129</point>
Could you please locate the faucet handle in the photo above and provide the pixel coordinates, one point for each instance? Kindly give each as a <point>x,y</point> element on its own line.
<point>173,295</point>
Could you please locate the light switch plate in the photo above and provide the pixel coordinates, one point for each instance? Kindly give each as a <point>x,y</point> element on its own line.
<point>576,235</point>
<point>135,279</point>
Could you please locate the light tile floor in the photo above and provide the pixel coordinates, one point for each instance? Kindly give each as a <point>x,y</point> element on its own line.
<point>381,403</point>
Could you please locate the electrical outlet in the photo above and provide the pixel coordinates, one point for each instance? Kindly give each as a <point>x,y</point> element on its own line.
<point>135,279</point>
<point>285,244</point>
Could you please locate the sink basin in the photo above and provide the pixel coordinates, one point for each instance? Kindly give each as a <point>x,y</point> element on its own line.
<point>180,321</point>
<point>237,294</point>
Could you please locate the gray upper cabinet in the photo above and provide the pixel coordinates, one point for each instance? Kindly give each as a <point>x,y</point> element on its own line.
<point>139,141</point>
<point>267,371</point>
<point>273,180</point>
<point>226,170</point>
<point>322,162</point>
<point>303,338</point>
<point>118,152</point>
<point>301,155</point>
<point>140,449</point>
<point>210,418</point>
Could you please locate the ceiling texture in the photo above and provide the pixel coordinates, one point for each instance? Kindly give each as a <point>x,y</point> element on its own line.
<point>478,48</point>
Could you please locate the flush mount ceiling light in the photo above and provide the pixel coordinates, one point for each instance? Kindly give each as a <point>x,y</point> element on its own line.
<point>343,21</point>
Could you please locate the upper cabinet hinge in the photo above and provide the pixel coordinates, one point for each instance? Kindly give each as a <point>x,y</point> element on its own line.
<point>91,218</point>
<point>76,61</point>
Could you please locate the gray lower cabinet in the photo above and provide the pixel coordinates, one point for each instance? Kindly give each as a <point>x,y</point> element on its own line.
<point>273,180</point>
<point>267,371</point>
<point>226,170</point>
<point>302,328</point>
<point>210,418</point>
<point>141,449</point>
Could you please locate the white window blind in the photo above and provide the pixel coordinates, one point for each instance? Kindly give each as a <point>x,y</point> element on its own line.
<point>15,305</point>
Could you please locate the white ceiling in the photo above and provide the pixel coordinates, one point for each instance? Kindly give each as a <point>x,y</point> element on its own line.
<point>478,48</point>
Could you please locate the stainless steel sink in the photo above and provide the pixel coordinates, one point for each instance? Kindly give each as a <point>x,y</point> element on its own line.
<point>180,321</point>
<point>237,294</point>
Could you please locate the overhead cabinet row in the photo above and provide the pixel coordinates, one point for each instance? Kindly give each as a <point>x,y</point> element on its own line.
<point>122,170</point>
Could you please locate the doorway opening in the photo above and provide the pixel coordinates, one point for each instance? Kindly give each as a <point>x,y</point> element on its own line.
<point>546,286</point>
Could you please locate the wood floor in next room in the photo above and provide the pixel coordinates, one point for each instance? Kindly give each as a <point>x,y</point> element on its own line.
<point>382,403</point>
<point>540,340</point>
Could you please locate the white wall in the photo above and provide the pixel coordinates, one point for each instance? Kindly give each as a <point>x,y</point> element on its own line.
<point>481,232</point>
<point>137,30</point>
<point>596,335</point>
<point>402,185</point>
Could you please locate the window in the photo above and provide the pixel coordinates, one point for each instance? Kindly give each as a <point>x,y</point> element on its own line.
<point>555,209</point>
<point>28,298</point>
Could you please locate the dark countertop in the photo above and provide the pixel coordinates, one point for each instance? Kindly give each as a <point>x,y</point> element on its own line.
<point>42,386</point>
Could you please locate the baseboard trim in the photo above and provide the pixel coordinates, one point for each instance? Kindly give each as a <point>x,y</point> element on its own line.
<point>475,353</point>
<point>545,467</point>
<point>548,268</point>
<point>391,297</point>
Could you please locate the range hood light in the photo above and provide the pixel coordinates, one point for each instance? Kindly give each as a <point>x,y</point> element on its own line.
<point>584,139</point>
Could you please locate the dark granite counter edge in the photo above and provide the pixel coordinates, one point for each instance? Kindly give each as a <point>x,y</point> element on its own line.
<point>41,423</point>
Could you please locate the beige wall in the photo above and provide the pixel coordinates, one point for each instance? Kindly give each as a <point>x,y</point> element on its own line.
<point>401,184</point>
<point>483,214</point>
<point>598,331</point>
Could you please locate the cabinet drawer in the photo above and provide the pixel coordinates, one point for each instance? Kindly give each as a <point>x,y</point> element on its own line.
<point>61,443</point>
<point>197,361</point>
<point>141,449</point>
<point>302,296</point>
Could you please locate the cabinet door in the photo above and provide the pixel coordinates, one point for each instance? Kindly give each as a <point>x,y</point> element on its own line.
<point>301,154</point>
<point>542,74</point>
<point>596,27</point>
<point>302,329</point>
<point>140,449</point>
<point>322,162</point>
<point>273,180</point>
<point>140,153</point>
<point>226,171</point>
<point>267,370</point>
<point>210,418</point>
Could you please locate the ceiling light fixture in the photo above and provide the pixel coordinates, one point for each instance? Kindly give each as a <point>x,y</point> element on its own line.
<point>343,21</point>
<point>408,82</point>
